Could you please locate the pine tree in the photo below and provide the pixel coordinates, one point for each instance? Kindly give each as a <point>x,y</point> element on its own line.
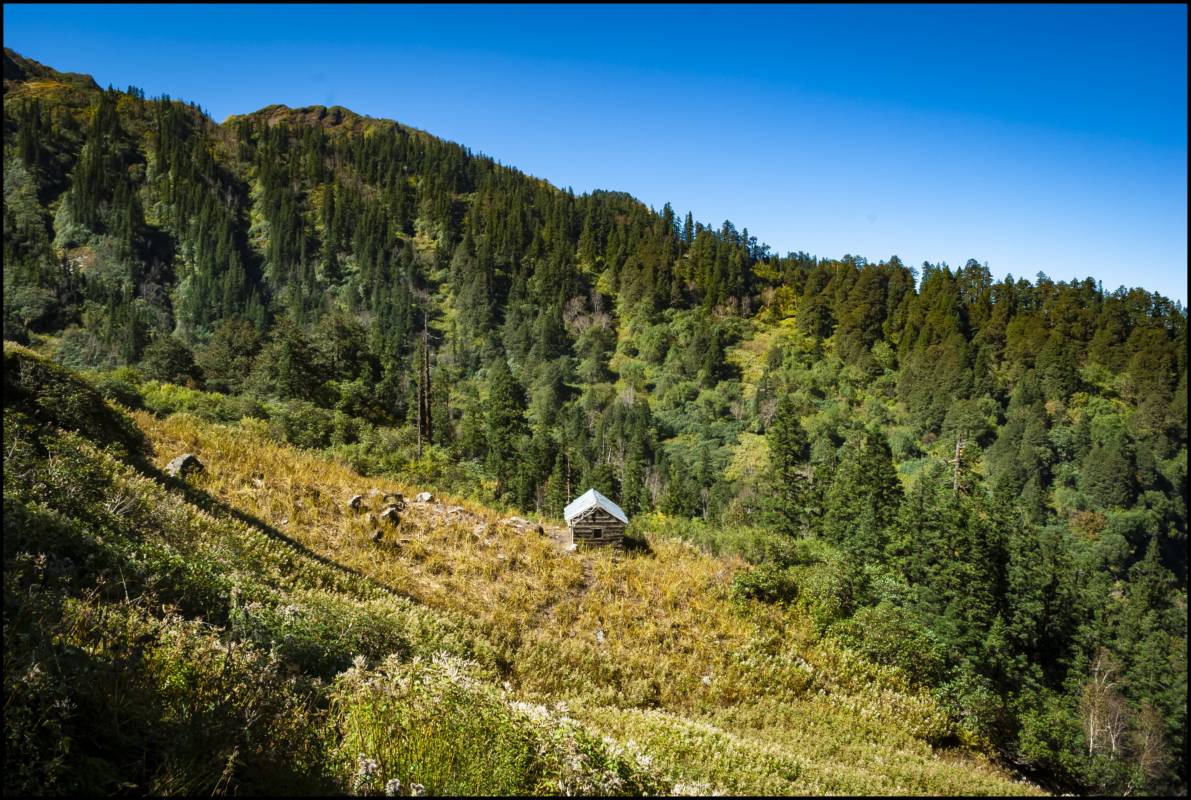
<point>286,367</point>
<point>917,539</point>
<point>473,443</point>
<point>680,499</point>
<point>556,490</point>
<point>1083,436</point>
<point>170,361</point>
<point>714,364</point>
<point>878,479</point>
<point>866,477</point>
<point>604,479</point>
<point>227,361</point>
<point>786,476</point>
<point>636,495</point>
<point>983,382</point>
<point>1107,476</point>
<point>867,544</point>
<point>1056,368</point>
<point>1027,392</point>
<point>505,412</point>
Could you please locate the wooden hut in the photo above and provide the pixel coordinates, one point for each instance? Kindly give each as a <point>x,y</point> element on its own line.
<point>596,521</point>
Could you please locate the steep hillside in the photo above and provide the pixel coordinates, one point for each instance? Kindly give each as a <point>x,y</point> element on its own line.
<point>25,73</point>
<point>976,487</point>
<point>241,623</point>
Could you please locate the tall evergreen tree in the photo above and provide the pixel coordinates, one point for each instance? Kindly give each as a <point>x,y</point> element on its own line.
<point>786,478</point>
<point>1056,368</point>
<point>866,482</point>
<point>680,498</point>
<point>556,489</point>
<point>505,413</point>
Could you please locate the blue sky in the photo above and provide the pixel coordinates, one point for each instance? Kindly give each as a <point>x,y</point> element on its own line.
<point>1033,138</point>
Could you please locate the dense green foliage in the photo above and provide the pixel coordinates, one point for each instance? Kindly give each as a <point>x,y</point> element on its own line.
<point>993,474</point>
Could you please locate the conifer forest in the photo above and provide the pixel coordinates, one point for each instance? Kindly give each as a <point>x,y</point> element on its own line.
<point>974,486</point>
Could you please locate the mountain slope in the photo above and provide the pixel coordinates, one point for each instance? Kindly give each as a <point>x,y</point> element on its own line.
<point>978,488</point>
<point>292,586</point>
<point>18,70</point>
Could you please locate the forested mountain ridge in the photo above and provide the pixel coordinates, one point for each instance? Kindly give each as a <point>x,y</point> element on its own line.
<point>428,314</point>
<point>19,70</point>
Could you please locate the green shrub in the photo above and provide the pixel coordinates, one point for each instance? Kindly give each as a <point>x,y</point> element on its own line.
<point>120,391</point>
<point>974,703</point>
<point>318,633</point>
<point>890,635</point>
<point>439,470</point>
<point>431,723</point>
<point>170,361</point>
<point>769,582</point>
<point>904,445</point>
<point>751,544</point>
<point>164,399</point>
<point>790,552</point>
<point>302,423</point>
<point>827,591</point>
<point>83,348</point>
<point>237,407</point>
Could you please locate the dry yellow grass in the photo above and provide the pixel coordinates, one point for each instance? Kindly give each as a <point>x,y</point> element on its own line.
<point>656,632</point>
<point>749,356</point>
<point>466,561</point>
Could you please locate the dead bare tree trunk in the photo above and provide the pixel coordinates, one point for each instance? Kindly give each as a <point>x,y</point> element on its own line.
<point>425,428</point>
<point>426,374</point>
<point>958,448</point>
<point>420,419</point>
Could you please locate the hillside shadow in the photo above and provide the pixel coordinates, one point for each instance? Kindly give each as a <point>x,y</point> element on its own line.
<point>203,500</point>
<point>636,544</point>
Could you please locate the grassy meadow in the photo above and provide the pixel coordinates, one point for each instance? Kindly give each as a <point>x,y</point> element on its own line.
<point>245,630</point>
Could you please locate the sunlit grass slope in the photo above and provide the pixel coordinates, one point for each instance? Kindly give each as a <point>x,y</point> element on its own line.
<point>245,630</point>
<point>648,646</point>
<point>158,640</point>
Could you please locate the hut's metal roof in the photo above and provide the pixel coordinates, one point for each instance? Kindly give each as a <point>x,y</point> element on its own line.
<point>590,499</point>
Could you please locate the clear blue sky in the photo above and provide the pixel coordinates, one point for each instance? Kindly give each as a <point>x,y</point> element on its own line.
<point>1035,138</point>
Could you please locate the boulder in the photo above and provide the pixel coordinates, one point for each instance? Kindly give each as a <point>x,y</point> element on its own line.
<point>424,497</point>
<point>396,497</point>
<point>354,503</point>
<point>390,515</point>
<point>539,530</point>
<point>184,465</point>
